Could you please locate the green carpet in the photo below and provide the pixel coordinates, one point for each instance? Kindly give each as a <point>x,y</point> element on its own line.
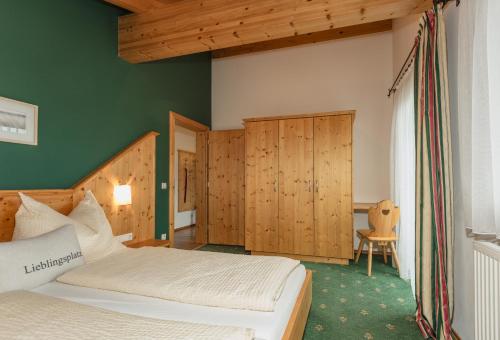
<point>347,304</point>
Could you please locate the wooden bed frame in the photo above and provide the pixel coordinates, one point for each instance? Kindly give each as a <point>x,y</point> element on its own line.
<point>63,201</point>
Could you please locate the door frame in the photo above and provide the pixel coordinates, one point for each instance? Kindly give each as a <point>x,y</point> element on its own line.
<point>187,123</point>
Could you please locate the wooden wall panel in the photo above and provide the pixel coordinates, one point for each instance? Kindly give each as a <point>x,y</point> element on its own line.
<point>59,200</point>
<point>186,173</point>
<point>135,166</point>
<point>333,186</point>
<point>226,192</point>
<point>296,197</point>
<point>261,198</point>
<point>201,187</point>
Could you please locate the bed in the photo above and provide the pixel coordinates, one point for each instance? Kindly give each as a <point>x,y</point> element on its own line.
<point>287,321</point>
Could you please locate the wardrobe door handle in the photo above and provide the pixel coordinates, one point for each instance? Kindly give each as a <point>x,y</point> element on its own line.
<point>275,184</point>
<point>317,185</point>
<point>309,187</point>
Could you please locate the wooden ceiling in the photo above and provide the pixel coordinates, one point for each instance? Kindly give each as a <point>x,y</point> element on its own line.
<point>159,29</point>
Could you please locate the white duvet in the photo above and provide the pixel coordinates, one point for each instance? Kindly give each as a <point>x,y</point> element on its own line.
<point>196,277</point>
<point>27,315</point>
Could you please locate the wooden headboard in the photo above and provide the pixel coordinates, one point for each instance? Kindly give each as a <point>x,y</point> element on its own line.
<point>135,165</point>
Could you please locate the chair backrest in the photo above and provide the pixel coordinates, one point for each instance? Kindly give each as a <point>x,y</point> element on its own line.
<point>383,218</point>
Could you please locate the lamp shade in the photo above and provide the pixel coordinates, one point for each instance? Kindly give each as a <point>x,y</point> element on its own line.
<point>123,194</point>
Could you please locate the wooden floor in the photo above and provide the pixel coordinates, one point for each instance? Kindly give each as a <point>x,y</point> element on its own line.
<point>185,239</point>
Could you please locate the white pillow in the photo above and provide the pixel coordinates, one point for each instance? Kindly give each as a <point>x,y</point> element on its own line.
<point>28,263</point>
<point>34,218</point>
<point>89,212</point>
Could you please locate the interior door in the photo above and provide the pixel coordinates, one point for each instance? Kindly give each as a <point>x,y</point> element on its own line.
<point>261,197</point>
<point>226,189</point>
<point>296,196</point>
<point>333,186</point>
<point>201,178</point>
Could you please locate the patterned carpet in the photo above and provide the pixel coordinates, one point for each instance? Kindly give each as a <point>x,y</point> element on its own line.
<point>349,305</point>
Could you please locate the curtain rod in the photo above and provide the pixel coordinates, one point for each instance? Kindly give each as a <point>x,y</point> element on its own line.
<point>403,70</point>
<point>407,65</point>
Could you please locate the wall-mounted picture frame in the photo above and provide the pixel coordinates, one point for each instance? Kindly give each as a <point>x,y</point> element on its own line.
<point>18,122</point>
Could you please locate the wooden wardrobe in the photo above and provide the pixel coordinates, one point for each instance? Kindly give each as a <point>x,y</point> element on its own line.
<point>298,179</point>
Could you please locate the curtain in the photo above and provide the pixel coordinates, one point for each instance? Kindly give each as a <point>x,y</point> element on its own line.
<point>403,175</point>
<point>434,195</point>
<point>479,114</point>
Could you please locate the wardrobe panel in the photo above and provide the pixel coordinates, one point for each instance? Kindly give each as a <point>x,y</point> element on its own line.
<point>296,197</point>
<point>226,192</point>
<point>261,197</point>
<point>333,186</point>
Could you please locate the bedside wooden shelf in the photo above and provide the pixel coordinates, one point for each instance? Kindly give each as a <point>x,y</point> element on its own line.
<point>147,243</point>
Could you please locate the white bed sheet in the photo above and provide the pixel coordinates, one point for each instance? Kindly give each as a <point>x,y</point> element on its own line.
<point>267,325</point>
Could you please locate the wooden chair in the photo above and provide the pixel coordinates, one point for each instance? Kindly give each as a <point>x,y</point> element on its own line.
<point>382,220</point>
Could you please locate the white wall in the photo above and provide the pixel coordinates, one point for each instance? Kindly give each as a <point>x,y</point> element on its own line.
<point>353,73</point>
<point>184,140</point>
<point>404,32</point>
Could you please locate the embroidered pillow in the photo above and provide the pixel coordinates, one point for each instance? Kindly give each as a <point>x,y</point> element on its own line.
<point>31,262</point>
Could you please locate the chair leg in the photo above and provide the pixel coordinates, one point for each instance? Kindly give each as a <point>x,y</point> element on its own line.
<point>395,255</point>
<point>384,249</point>
<point>360,249</point>
<point>370,250</point>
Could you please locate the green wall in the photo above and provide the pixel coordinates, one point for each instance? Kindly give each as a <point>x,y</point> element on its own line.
<point>62,56</point>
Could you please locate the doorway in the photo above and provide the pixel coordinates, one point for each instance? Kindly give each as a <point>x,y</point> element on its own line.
<point>188,167</point>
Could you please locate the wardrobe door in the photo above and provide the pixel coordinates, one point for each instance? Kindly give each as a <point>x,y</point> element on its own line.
<point>226,192</point>
<point>296,197</point>
<point>333,186</point>
<point>261,194</point>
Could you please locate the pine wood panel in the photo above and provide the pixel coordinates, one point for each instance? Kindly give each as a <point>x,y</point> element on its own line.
<point>135,166</point>
<point>296,197</point>
<point>59,200</point>
<point>186,173</point>
<point>333,186</point>
<point>304,39</point>
<point>193,26</point>
<point>261,194</point>
<point>226,192</point>
<point>201,187</point>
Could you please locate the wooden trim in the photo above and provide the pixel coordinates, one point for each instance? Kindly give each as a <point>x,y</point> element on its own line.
<point>298,318</point>
<point>300,116</point>
<point>305,39</point>
<point>115,158</point>
<point>171,180</point>
<point>307,258</point>
<point>187,123</point>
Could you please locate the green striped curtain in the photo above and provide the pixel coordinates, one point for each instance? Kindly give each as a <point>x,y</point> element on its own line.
<point>434,195</point>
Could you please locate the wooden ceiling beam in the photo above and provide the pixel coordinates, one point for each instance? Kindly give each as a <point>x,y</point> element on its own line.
<point>309,38</point>
<point>192,26</point>
<point>138,6</point>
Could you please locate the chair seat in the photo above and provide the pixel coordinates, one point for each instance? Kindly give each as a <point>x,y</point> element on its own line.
<point>365,233</point>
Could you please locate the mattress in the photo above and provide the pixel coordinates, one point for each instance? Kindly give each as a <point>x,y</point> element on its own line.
<point>267,325</point>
